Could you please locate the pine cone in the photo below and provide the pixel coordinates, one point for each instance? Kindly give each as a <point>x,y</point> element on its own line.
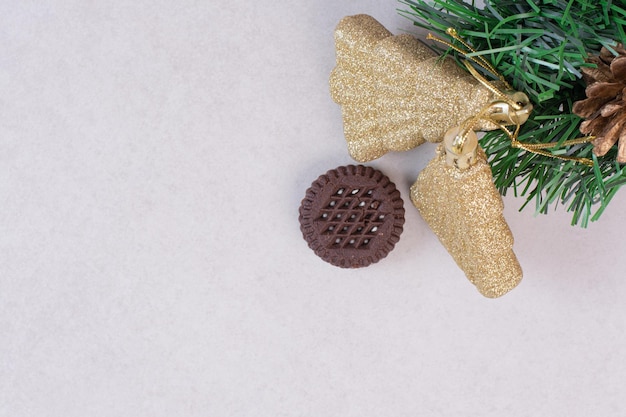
<point>605,106</point>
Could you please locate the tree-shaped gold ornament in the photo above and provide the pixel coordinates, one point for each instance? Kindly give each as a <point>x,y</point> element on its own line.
<point>396,93</point>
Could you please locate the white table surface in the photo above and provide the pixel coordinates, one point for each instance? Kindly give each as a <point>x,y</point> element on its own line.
<point>153,155</point>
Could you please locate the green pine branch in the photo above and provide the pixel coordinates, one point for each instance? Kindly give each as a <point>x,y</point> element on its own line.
<point>540,47</point>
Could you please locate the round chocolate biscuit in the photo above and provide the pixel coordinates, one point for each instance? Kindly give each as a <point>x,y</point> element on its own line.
<point>352,216</point>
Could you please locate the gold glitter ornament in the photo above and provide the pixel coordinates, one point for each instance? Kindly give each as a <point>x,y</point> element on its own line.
<point>396,93</point>
<point>456,197</point>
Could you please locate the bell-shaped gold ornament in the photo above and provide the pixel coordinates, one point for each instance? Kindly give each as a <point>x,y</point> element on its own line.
<point>456,197</point>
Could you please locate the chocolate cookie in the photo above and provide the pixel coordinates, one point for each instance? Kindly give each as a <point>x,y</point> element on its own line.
<point>352,216</point>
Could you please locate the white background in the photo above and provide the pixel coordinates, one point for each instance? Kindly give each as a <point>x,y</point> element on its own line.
<point>153,155</point>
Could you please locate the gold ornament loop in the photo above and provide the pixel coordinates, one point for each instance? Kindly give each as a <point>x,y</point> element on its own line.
<point>511,108</point>
<point>479,60</point>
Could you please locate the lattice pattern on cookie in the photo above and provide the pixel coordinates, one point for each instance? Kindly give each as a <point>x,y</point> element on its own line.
<point>351,218</point>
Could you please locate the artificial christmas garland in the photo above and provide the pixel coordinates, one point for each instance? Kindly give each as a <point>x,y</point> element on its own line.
<point>554,51</point>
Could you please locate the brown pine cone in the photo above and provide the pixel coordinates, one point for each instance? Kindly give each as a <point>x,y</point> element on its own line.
<point>605,107</point>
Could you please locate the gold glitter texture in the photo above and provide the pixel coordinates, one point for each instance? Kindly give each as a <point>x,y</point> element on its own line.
<point>464,210</point>
<point>396,93</point>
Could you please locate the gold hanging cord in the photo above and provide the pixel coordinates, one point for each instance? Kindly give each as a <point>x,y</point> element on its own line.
<point>469,124</point>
